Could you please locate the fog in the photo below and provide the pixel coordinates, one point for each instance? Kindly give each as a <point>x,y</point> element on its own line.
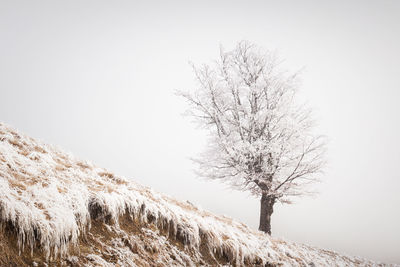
<point>98,78</point>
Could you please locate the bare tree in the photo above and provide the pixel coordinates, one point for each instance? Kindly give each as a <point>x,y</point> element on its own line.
<point>261,140</point>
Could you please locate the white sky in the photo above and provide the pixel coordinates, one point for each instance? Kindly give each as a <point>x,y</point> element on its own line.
<point>98,79</point>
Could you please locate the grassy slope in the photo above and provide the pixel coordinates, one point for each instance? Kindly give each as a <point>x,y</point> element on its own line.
<point>56,209</point>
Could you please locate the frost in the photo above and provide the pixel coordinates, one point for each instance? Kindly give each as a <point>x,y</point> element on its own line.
<point>261,139</point>
<point>51,200</point>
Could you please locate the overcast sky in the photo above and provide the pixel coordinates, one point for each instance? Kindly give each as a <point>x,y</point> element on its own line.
<point>98,79</point>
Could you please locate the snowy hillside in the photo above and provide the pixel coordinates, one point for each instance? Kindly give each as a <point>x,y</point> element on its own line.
<point>56,209</point>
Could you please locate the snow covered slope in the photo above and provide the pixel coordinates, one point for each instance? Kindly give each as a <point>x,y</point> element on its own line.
<point>59,210</point>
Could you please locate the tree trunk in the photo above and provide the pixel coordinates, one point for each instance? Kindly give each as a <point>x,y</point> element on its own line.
<point>267,204</point>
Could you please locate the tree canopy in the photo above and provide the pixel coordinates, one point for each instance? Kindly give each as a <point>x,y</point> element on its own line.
<point>261,138</point>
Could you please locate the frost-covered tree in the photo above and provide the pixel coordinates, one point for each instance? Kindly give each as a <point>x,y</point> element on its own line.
<point>261,139</point>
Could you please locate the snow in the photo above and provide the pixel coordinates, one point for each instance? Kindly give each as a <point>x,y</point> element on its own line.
<point>261,139</point>
<point>51,198</point>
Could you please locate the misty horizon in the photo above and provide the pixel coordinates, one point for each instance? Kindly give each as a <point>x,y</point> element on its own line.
<point>99,79</point>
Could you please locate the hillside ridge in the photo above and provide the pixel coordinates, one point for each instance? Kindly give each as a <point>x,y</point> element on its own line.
<point>57,210</point>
